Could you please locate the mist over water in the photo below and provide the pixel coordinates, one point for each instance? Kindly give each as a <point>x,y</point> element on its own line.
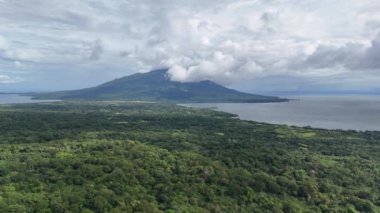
<point>329,112</point>
<point>18,99</point>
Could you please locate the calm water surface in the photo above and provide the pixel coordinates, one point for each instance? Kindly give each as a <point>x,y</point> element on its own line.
<point>17,99</point>
<point>331,112</point>
<point>343,112</point>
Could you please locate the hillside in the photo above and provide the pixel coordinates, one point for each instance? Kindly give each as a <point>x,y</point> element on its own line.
<point>156,86</point>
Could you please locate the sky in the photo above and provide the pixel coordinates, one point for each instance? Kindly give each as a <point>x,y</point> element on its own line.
<point>263,46</point>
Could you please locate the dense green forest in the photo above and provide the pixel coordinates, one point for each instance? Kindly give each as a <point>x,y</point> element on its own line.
<point>146,157</point>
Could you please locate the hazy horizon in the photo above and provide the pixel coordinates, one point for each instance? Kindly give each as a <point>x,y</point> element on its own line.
<point>359,113</point>
<point>272,93</point>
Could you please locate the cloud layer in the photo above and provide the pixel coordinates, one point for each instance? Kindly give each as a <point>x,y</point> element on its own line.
<point>315,45</point>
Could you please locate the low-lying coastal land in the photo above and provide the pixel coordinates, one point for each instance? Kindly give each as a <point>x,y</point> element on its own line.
<point>151,157</point>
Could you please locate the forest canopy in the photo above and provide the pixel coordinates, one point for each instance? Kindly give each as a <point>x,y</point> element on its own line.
<point>148,157</point>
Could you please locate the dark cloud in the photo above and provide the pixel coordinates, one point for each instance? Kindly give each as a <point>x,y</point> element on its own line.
<point>352,56</point>
<point>330,56</point>
<point>96,50</point>
<point>371,58</point>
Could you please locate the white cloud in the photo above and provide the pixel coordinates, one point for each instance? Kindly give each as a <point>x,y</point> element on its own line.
<point>227,41</point>
<point>5,79</point>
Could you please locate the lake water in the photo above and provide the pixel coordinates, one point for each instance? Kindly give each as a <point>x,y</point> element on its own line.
<point>17,99</point>
<point>332,112</point>
<point>329,112</point>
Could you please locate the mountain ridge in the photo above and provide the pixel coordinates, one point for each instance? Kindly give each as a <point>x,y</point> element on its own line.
<point>157,86</point>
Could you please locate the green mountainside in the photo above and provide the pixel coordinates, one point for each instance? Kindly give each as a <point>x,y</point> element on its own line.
<point>156,86</point>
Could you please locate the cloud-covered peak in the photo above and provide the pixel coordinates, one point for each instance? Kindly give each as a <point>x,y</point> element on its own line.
<point>238,43</point>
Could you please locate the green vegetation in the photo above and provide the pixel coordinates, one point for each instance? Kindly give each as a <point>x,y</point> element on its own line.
<point>141,157</point>
<point>156,86</point>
